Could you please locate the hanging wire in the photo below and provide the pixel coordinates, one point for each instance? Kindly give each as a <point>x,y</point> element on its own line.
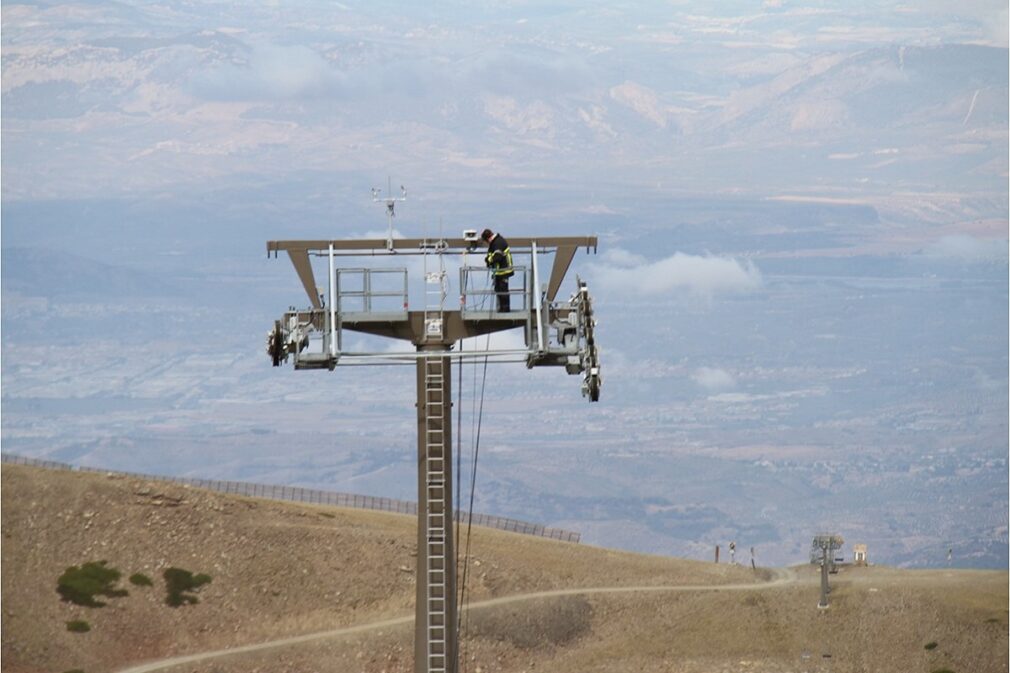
<point>476,421</point>
<point>459,458</point>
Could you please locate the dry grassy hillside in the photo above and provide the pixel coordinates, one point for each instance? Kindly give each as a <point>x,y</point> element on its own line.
<point>281,570</point>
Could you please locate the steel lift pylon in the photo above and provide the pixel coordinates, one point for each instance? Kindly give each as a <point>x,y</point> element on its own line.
<point>376,301</point>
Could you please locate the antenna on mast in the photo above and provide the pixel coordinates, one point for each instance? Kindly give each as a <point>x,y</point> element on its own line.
<point>390,202</point>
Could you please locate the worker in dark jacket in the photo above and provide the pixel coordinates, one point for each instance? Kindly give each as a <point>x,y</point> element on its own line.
<point>499,260</point>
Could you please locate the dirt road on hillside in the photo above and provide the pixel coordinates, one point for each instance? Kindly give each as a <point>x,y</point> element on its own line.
<point>783,576</point>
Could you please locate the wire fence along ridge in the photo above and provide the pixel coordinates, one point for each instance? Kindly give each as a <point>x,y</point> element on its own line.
<point>312,496</point>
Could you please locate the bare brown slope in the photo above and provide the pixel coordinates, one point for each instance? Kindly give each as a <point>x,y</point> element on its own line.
<point>278,569</point>
<point>880,620</point>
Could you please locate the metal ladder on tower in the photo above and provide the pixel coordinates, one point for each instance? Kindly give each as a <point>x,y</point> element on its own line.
<point>436,516</point>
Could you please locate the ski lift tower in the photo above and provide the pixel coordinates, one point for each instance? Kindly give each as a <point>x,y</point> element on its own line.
<point>375,301</point>
<point>826,544</point>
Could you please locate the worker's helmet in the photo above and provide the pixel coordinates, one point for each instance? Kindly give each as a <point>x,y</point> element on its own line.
<point>486,235</point>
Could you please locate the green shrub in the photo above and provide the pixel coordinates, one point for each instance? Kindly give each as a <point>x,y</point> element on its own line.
<point>179,583</point>
<point>80,584</point>
<point>931,645</point>
<point>941,670</point>
<point>78,626</point>
<point>141,580</point>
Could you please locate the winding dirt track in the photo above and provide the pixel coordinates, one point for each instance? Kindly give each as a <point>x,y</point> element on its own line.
<point>782,576</point>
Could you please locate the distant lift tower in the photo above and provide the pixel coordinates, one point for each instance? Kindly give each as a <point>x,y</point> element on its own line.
<point>375,301</point>
<point>824,545</point>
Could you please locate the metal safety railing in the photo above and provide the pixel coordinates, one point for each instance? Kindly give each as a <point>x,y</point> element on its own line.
<point>310,496</point>
<point>370,290</point>
<point>478,296</point>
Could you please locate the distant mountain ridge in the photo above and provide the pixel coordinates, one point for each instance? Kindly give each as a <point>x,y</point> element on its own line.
<point>189,106</point>
<point>55,274</point>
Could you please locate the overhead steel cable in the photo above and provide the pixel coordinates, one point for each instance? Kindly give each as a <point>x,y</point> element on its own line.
<point>476,421</point>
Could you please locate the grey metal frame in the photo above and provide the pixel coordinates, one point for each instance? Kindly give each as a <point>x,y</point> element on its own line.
<point>367,293</point>
<point>487,293</point>
<point>435,610</point>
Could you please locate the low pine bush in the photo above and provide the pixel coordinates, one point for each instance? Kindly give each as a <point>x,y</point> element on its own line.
<point>180,583</point>
<point>141,580</point>
<point>78,626</point>
<point>81,584</point>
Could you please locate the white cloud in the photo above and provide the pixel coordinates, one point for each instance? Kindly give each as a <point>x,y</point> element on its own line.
<point>620,257</point>
<point>598,209</point>
<point>272,73</point>
<point>377,233</point>
<point>964,247</point>
<point>625,272</point>
<point>496,341</point>
<point>713,379</point>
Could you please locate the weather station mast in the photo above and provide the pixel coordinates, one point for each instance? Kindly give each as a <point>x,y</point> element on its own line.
<point>376,301</point>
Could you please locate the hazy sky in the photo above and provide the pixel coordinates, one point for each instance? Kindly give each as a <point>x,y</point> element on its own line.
<point>801,283</point>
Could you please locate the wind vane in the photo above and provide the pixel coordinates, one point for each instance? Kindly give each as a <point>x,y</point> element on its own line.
<point>390,201</point>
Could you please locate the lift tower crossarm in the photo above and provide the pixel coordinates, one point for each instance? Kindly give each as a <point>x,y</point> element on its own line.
<point>298,251</point>
<point>420,244</point>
